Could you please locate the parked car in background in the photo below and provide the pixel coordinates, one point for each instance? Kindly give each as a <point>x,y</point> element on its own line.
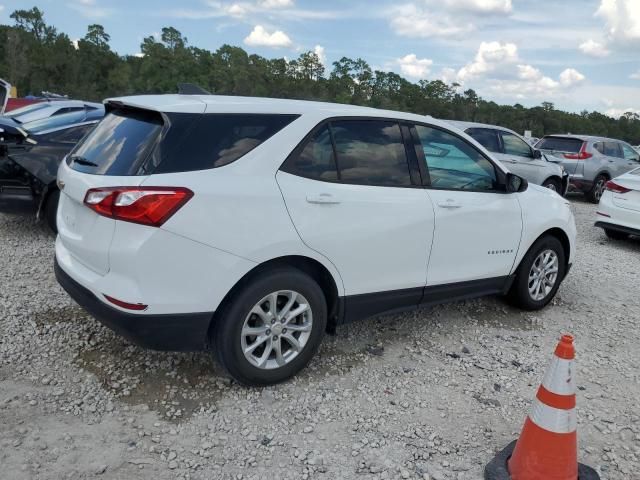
<point>532,140</point>
<point>45,109</point>
<point>517,155</point>
<point>590,161</point>
<point>252,225</point>
<point>619,210</point>
<point>29,168</point>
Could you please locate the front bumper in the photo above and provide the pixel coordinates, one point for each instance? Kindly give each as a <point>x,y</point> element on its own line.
<point>17,199</point>
<point>179,332</point>
<point>579,184</point>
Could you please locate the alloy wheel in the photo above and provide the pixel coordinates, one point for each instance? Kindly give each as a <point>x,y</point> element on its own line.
<point>599,189</point>
<point>276,329</point>
<point>543,275</point>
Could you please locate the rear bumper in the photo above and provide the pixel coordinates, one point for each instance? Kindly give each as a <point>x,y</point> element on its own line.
<point>618,228</point>
<point>579,184</point>
<point>179,332</point>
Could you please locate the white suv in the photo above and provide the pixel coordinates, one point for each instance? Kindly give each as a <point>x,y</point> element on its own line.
<point>252,226</point>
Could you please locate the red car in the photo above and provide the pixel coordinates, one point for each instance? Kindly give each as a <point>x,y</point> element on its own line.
<point>7,103</point>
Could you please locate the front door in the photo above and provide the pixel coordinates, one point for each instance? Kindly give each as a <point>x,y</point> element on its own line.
<point>351,197</point>
<point>521,161</point>
<point>477,225</point>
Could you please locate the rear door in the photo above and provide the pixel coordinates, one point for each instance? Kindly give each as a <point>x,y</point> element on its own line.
<point>352,197</point>
<point>108,157</point>
<point>478,225</point>
<point>617,163</point>
<point>521,155</point>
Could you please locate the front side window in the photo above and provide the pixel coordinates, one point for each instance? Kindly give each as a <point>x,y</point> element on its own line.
<point>629,153</point>
<point>453,164</point>
<point>485,137</point>
<point>371,152</point>
<point>316,159</point>
<point>514,145</point>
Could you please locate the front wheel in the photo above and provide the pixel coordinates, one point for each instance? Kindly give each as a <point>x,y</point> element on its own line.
<point>539,276</point>
<point>271,328</point>
<point>553,184</point>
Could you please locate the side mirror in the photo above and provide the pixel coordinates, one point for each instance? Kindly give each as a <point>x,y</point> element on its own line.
<point>537,154</point>
<point>516,183</point>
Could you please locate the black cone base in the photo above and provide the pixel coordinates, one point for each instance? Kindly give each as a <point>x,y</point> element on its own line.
<point>497,469</point>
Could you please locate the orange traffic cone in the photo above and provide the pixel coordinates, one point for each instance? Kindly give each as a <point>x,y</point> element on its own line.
<point>547,447</point>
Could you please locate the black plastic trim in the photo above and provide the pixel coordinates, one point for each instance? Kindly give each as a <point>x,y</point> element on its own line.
<point>358,307</point>
<point>179,332</point>
<point>618,228</point>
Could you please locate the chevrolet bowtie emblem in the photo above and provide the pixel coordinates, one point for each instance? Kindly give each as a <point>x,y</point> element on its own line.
<point>60,184</point>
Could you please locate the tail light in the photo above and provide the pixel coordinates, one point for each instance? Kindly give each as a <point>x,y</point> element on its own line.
<point>151,206</point>
<point>615,188</point>
<point>129,306</point>
<point>581,155</point>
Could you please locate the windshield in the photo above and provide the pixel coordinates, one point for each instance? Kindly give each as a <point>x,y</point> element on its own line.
<point>56,121</point>
<point>34,107</point>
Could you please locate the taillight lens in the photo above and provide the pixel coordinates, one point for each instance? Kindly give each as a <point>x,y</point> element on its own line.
<point>581,155</point>
<point>615,188</point>
<point>151,206</point>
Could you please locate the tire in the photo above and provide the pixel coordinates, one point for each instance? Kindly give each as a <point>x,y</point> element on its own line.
<point>520,294</point>
<point>51,210</point>
<point>553,184</point>
<point>595,193</point>
<point>615,234</point>
<point>230,343</point>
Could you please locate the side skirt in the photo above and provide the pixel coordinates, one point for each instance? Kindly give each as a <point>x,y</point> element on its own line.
<point>357,307</point>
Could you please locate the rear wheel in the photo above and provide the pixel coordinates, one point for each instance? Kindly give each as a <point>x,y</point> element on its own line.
<point>615,234</point>
<point>553,184</point>
<point>539,275</point>
<point>595,194</point>
<point>51,210</point>
<point>271,328</point>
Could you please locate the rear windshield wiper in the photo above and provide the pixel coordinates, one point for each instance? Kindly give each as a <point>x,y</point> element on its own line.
<point>83,161</point>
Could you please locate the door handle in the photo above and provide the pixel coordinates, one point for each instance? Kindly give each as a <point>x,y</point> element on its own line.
<point>449,203</point>
<point>323,198</point>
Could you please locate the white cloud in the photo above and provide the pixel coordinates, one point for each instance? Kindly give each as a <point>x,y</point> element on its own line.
<point>594,49</point>
<point>635,76</point>
<point>75,42</point>
<point>618,112</point>
<point>481,6</point>
<point>90,9</point>
<point>448,75</point>
<point>414,67</point>
<point>410,21</point>
<point>622,19</point>
<point>490,56</point>
<point>259,37</point>
<point>275,3</point>
<point>571,77</point>
<point>322,56</point>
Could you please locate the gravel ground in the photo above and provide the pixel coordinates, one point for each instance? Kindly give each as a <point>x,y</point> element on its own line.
<point>430,394</point>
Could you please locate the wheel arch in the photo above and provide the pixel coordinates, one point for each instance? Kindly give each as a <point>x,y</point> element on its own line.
<point>562,237</point>
<point>553,177</point>
<point>308,265</point>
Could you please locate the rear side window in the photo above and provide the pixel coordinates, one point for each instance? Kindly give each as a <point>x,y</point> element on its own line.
<point>118,145</point>
<point>316,160</point>
<point>612,149</point>
<point>200,142</point>
<point>560,144</point>
<point>127,142</point>
<point>371,152</point>
<point>485,137</point>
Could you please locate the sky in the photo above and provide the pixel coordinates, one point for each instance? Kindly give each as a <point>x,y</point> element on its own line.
<point>578,54</point>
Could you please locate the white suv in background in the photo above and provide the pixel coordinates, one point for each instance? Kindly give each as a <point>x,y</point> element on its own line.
<point>253,225</point>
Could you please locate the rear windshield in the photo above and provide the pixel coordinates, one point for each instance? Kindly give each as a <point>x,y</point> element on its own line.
<point>134,142</point>
<point>56,121</point>
<point>560,144</point>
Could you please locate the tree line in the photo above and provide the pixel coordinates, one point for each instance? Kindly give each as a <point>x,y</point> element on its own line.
<point>35,57</point>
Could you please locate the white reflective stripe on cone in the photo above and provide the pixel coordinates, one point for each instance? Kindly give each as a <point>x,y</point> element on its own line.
<point>559,378</point>
<point>553,419</point>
